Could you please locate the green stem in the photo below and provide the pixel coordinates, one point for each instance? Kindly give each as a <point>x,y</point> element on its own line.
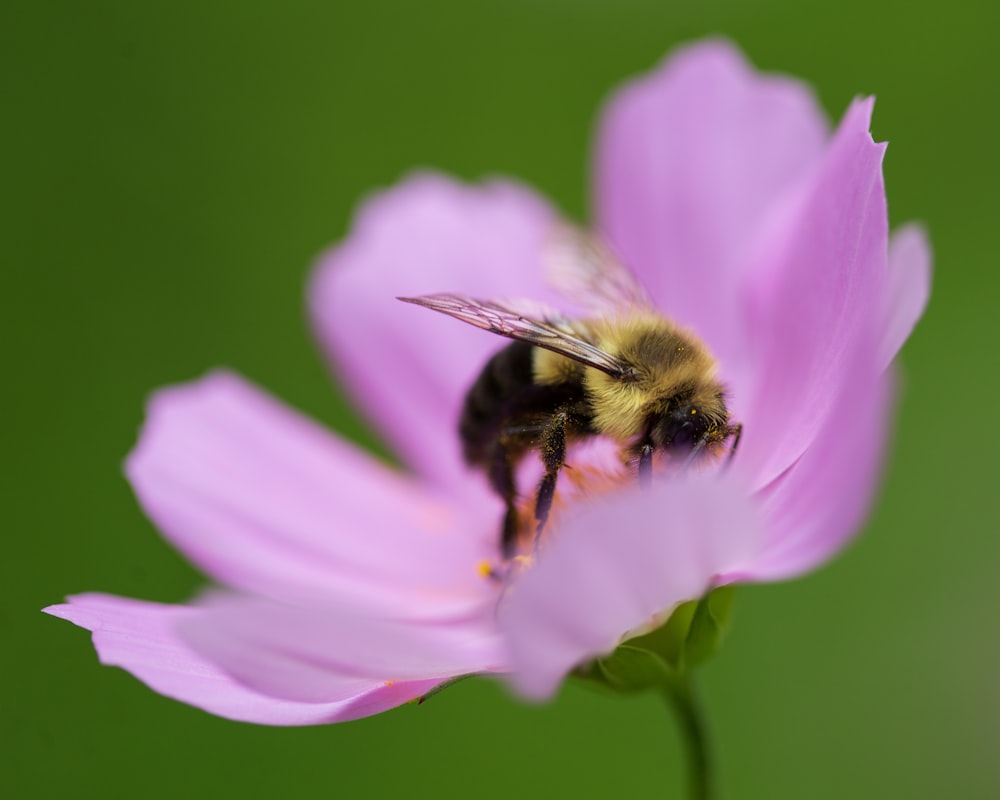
<point>682,696</point>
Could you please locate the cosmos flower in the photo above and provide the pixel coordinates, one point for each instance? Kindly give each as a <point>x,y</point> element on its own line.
<point>347,586</point>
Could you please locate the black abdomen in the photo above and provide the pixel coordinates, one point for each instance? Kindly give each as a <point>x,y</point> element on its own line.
<point>505,376</point>
<point>506,403</point>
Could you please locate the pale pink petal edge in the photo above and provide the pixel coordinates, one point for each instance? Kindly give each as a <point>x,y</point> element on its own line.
<point>139,637</point>
<point>327,654</point>
<point>909,289</point>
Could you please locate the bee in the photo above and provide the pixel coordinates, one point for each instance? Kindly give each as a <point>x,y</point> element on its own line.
<point>624,372</point>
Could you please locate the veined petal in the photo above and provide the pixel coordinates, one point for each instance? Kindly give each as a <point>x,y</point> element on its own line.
<point>821,501</point>
<point>689,159</point>
<point>616,564</point>
<point>267,501</point>
<point>325,654</point>
<point>141,638</point>
<point>816,301</point>
<point>909,287</point>
<point>407,367</point>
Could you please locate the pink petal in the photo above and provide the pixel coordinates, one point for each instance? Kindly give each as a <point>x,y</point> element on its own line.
<point>319,655</point>
<point>815,508</point>
<point>617,563</point>
<point>407,367</point>
<point>816,300</point>
<point>140,637</point>
<point>909,287</point>
<point>264,500</point>
<point>689,159</point>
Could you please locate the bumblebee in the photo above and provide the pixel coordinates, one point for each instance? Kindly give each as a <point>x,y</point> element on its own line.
<point>626,373</point>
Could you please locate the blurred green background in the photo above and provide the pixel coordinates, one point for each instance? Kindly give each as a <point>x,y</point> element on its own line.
<point>171,170</point>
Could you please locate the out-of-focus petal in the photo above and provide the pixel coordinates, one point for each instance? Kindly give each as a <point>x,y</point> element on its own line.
<point>909,287</point>
<point>615,564</point>
<point>816,301</point>
<point>140,637</point>
<point>267,501</point>
<point>409,368</point>
<point>326,654</point>
<point>689,159</point>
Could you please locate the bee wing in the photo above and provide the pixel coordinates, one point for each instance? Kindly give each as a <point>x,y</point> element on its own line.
<point>553,332</point>
<point>581,267</point>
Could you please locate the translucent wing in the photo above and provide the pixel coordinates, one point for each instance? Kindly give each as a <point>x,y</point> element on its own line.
<point>552,333</point>
<point>581,267</point>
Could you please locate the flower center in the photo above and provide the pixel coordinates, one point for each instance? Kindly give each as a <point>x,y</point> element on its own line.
<point>593,467</point>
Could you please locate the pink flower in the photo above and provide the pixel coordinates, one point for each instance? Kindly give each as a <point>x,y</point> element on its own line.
<point>352,587</point>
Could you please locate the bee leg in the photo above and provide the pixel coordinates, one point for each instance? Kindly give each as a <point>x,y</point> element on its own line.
<point>698,447</point>
<point>502,481</point>
<point>553,458</point>
<point>736,431</point>
<point>646,465</point>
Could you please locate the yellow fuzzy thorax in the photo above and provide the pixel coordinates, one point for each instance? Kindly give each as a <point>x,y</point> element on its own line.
<point>666,360</point>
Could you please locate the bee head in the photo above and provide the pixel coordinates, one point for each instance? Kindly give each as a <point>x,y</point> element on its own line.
<point>681,428</point>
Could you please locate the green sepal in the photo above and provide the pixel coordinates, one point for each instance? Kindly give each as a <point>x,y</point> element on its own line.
<point>627,670</point>
<point>690,637</point>
<point>709,625</point>
<point>669,639</point>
